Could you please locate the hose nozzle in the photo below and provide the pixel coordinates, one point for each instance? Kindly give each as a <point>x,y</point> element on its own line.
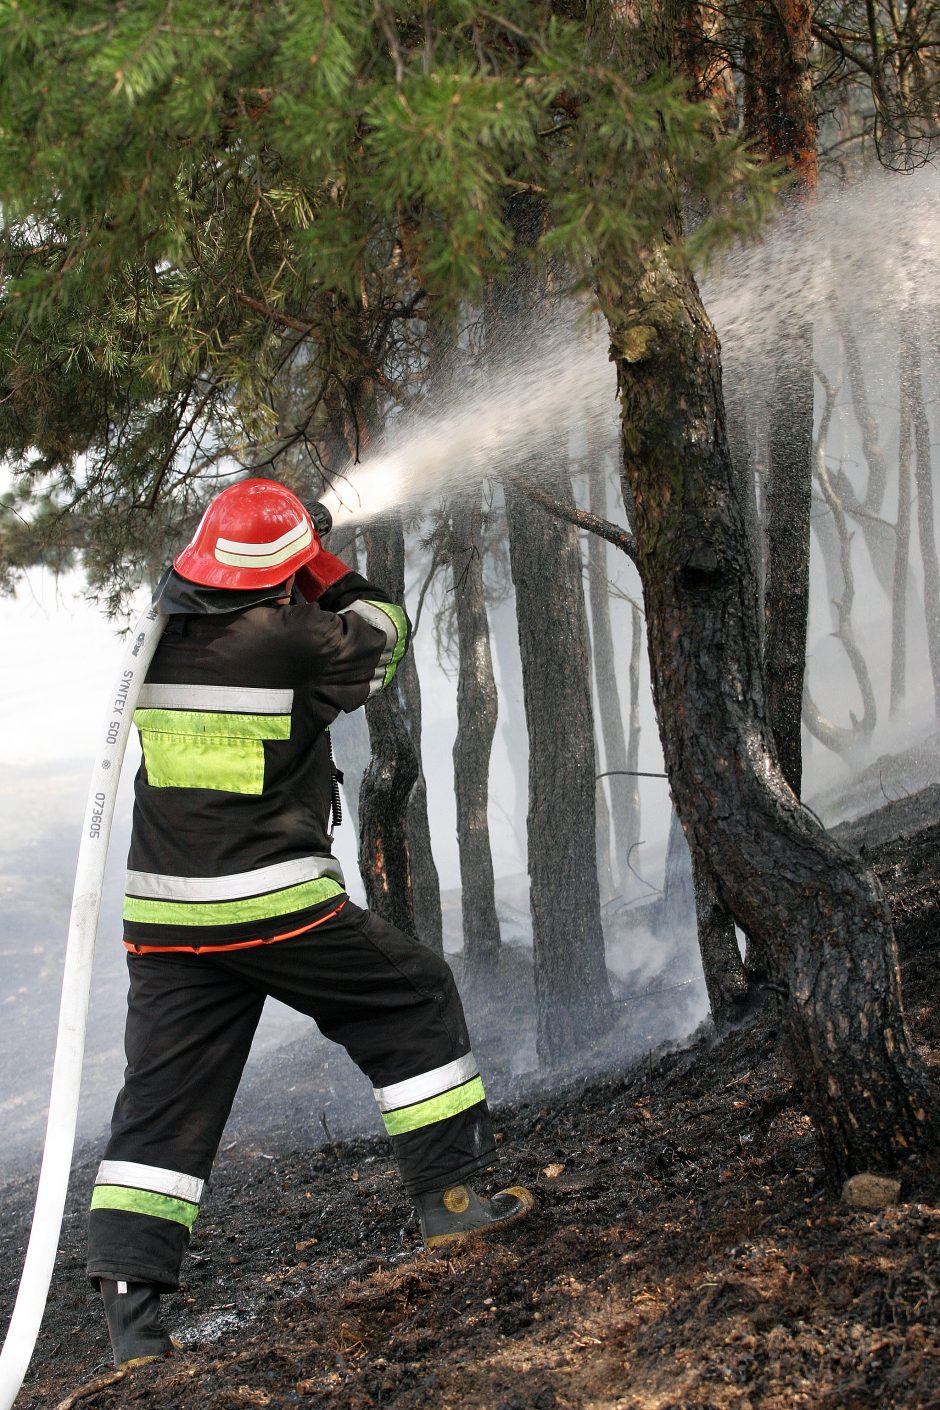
<point>322,519</point>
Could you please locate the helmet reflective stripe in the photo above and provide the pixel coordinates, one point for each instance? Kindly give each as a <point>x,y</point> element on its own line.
<point>264,555</point>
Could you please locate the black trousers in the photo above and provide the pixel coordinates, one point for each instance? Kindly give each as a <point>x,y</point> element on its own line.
<point>391,1002</point>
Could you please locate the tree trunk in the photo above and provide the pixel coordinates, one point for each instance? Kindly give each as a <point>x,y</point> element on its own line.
<point>605,678</point>
<point>633,746</point>
<point>385,860</point>
<point>572,988</point>
<point>726,980</point>
<point>780,118</point>
<point>350,732</point>
<point>925,518</point>
<point>425,882</point>
<point>814,912</point>
<point>786,582</point>
<point>902,536</point>
<point>476,729</point>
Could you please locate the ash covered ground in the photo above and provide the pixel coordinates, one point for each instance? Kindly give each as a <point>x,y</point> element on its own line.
<point>684,1252</point>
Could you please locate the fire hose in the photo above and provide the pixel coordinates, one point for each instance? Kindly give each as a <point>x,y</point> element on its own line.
<point>73,1010</point>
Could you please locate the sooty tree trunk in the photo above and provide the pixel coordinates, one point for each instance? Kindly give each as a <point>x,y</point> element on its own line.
<point>902,536</point>
<point>350,732</point>
<point>572,988</point>
<point>425,882</point>
<point>786,582</point>
<point>473,745</point>
<point>605,679</point>
<point>814,912</point>
<point>780,118</point>
<point>632,856</point>
<point>925,518</point>
<point>385,859</point>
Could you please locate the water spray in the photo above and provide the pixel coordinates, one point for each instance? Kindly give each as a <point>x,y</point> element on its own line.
<point>73,1011</point>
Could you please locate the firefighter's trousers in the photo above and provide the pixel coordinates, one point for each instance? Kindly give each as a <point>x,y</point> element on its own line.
<point>391,1002</point>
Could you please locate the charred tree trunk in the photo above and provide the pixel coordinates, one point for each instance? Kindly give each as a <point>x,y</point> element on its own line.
<point>786,582</point>
<point>814,912</point>
<point>633,745</point>
<point>692,904</point>
<point>726,980</point>
<point>572,988</point>
<point>476,729</point>
<point>385,860</point>
<point>902,537</point>
<point>605,679</point>
<point>925,518</point>
<point>780,118</point>
<point>350,732</point>
<point>425,882</point>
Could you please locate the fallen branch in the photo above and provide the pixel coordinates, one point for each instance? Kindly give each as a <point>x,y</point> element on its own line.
<point>91,1388</point>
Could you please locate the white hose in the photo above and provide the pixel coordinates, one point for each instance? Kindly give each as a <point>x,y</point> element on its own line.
<point>73,1011</point>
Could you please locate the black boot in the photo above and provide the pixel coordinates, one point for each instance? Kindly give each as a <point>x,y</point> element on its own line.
<point>133,1313</point>
<point>457,1212</point>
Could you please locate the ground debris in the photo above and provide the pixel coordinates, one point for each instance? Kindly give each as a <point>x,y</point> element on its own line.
<point>687,1255</point>
<point>867,1191</point>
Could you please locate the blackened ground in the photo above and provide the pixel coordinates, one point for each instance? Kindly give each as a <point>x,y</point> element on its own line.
<point>684,1252</point>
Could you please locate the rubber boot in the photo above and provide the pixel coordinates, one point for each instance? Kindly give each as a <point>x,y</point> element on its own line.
<point>447,1216</point>
<point>136,1330</point>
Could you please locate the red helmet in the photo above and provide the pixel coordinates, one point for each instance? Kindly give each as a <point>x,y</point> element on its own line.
<point>254,534</point>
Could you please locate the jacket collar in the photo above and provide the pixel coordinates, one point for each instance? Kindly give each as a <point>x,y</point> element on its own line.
<point>176,595</point>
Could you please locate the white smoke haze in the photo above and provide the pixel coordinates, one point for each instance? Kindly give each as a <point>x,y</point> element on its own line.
<point>865,252</point>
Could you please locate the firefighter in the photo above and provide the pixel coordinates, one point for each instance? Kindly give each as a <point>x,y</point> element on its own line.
<point>233,894</point>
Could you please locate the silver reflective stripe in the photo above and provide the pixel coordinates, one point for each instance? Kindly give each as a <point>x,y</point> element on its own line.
<point>150,1177</point>
<point>383,622</point>
<point>227,699</point>
<point>264,555</point>
<point>426,1084</point>
<point>261,550</point>
<point>152,886</point>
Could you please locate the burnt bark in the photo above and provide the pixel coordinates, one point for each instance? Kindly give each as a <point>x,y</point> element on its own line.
<point>425,882</point>
<point>779,117</point>
<point>726,980</point>
<point>786,580</point>
<point>572,989</point>
<point>350,732</point>
<point>605,680</point>
<point>385,853</point>
<point>473,745</point>
<point>902,537</point>
<point>633,745</point>
<point>923,480</point>
<point>816,914</point>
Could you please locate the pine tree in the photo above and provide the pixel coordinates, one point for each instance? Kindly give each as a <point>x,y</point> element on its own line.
<point>200,201</point>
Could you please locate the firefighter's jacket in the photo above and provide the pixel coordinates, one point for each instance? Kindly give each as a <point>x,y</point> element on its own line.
<point>231,841</point>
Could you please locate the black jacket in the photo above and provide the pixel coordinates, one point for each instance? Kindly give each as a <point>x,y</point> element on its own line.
<point>231,842</point>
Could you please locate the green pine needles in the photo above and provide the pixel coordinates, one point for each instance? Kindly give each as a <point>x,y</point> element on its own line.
<point>220,218</point>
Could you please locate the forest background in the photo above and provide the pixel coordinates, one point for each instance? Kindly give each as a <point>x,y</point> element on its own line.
<point>269,237</point>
